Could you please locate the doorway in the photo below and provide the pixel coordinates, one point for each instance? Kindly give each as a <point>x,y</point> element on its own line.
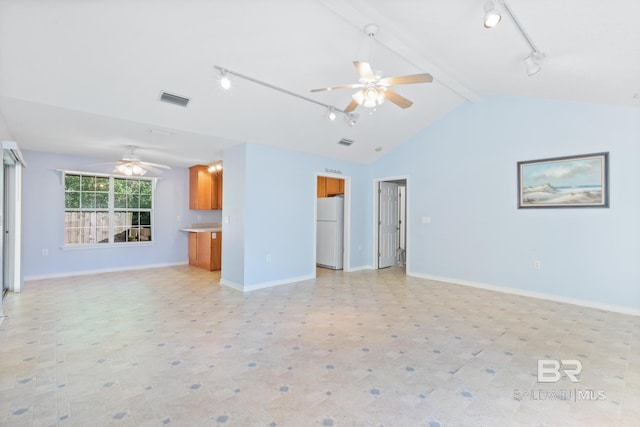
<point>391,224</point>
<point>332,221</point>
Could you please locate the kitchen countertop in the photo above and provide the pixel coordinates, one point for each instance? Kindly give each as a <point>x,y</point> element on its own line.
<point>203,228</point>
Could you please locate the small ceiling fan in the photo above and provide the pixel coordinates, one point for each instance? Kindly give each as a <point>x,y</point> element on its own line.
<point>131,164</point>
<point>375,89</point>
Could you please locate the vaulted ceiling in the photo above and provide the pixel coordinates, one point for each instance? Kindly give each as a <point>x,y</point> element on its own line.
<point>85,77</point>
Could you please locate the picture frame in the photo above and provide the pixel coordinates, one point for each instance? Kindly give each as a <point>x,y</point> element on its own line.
<point>580,181</point>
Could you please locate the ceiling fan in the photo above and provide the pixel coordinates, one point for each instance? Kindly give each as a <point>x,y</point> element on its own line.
<point>131,164</point>
<point>375,89</point>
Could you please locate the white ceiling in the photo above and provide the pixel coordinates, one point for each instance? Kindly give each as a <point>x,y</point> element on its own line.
<point>84,77</point>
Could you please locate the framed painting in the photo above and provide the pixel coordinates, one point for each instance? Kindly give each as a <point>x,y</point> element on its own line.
<point>564,182</point>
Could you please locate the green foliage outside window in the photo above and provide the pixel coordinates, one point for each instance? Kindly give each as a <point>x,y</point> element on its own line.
<point>89,218</point>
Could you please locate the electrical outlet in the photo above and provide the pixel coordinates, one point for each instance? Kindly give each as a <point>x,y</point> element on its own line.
<point>268,257</point>
<point>45,252</point>
<point>537,264</point>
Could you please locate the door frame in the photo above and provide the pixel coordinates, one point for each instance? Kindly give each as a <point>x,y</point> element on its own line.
<point>346,257</point>
<point>376,207</point>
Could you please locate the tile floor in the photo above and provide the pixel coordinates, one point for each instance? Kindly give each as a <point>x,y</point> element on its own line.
<point>170,347</point>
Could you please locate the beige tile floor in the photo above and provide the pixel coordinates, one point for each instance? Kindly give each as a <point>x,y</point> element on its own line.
<point>169,346</point>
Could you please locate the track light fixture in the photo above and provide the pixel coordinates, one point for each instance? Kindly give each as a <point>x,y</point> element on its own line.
<point>215,167</point>
<point>530,61</point>
<point>491,16</point>
<point>226,83</point>
<point>532,65</point>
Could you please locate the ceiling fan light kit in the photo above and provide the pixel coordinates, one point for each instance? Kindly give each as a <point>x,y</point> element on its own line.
<point>374,89</point>
<point>490,21</point>
<point>129,170</point>
<point>132,165</point>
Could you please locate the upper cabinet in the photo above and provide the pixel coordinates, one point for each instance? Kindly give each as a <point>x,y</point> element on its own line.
<point>328,187</point>
<point>205,188</point>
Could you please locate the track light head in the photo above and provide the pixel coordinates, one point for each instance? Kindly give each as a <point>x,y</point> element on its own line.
<point>332,114</point>
<point>532,65</point>
<point>351,119</point>
<point>225,81</point>
<point>491,16</point>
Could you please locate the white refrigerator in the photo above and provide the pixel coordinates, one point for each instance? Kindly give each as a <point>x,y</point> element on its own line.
<point>330,232</point>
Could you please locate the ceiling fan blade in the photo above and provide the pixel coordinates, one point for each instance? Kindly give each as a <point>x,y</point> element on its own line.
<point>352,106</point>
<point>105,163</point>
<point>151,168</point>
<point>405,80</point>
<point>337,87</point>
<point>399,100</point>
<point>155,165</point>
<point>364,70</point>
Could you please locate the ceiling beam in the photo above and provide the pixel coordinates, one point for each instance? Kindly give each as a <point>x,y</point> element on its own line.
<point>392,40</point>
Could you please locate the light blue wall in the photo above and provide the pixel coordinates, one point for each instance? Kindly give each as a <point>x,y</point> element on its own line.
<point>233,204</point>
<point>462,174</point>
<point>43,221</point>
<point>279,213</point>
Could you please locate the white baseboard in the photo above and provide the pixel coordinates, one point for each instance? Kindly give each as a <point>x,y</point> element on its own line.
<point>230,284</point>
<point>100,271</point>
<point>532,294</point>
<point>264,285</point>
<point>360,268</point>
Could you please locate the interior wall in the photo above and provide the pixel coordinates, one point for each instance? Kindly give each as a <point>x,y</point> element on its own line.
<point>234,207</point>
<point>463,175</point>
<point>43,221</point>
<point>279,220</point>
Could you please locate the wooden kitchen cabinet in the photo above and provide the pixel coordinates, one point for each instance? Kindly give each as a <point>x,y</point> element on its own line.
<point>205,188</point>
<point>205,250</point>
<point>216,190</point>
<point>193,248</point>
<point>328,186</point>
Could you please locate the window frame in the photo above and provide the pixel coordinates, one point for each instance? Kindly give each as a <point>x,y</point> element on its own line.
<point>111,210</point>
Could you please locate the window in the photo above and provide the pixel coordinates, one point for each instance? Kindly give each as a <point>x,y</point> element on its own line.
<point>102,209</point>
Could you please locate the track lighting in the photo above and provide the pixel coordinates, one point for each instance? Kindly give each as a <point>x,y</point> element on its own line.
<point>491,16</point>
<point>225,81</point>
<point>215,167</point>
<point>490,21</point>
<point>532,65</point>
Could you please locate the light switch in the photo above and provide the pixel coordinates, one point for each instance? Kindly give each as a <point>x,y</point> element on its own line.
<point>426,220</point>
<point>226,219</point>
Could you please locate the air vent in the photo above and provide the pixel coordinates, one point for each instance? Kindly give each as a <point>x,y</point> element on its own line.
<point>174,99</point>
<point>346,142</point>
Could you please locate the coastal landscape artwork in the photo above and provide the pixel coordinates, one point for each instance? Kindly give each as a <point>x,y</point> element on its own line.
<point>564,182</point>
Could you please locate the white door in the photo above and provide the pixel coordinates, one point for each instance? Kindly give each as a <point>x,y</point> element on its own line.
<point>387,224</point>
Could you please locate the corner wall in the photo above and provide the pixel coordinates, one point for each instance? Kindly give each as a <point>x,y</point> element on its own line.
<point>463,175</point>
<point>43,222</point>
<point>277,235</point>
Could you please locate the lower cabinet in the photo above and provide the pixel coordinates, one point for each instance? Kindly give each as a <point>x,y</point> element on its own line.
<point>205,250</point>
